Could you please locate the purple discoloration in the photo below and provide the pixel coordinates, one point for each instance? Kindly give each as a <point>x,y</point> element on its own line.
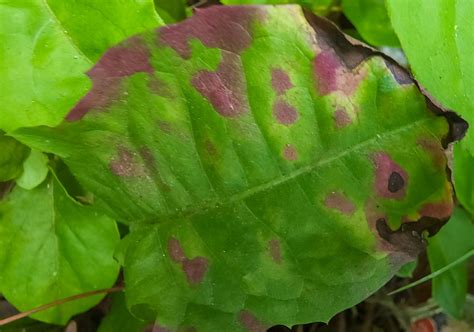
<point>390,179</point>
<point>195,269</point>
<point>250,322</point>
<point>175,251</point>
<point>436,151</point>
<point>275,250</point>
<point>290,153</point>
<point>340,202</point>
<point>210,148</point>
<point>341,118</point>
<point>440,210</point>
<point>332,75</point>
<point>224,88</point>
<point>281,82</point>
<point>124,60</point>
<point>227,28</point>
<point>284,113</point>
<point>125,164</point>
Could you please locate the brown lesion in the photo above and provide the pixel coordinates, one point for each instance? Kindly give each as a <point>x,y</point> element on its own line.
<point>250,322</point>
<point>338,201</point>
<point>194,268</point>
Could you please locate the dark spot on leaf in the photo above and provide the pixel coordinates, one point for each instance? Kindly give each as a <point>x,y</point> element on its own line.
<point>290,153</point>
<point>130,57</point>
<point>175,251</point>
<point>284,113</point>
<point>227,28</point>
<point>395,182</point>
<point>225,88</point>
<point>390,178</point>
<point>195,269</point>
<point>250,322</point>
<point>280,81</point>
<point>126,165</point>
<point>340,202</point>
<point>341,118</point>
<point>275,250</point>
<point>400,74</point>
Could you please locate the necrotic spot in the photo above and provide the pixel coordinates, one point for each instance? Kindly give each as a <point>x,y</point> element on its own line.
<point>390,179</point>
<point>284,113</point>
<point>395,182</point>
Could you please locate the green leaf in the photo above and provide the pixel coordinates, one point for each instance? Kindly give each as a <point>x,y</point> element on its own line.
<point>371,20</point>
<point>438,39</point>
<point>406,271</point>
<point>463,169</point>
<point>265,165</point>
<point>47,45</point>
<point>320,7</point>
<point>12,155</point>
<point>171,11</point>
<point>51,248</point>
<point>452,242</point>
<point>119,318</point>
<point>35,170</point>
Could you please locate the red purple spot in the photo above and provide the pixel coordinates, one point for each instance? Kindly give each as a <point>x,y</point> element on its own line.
<point>195,269</point>
<point>290,153</point>
<point>227,28</point>
<point>341,118</point>
<point>280,81</point>
<point>224,88</point>
<point>440,210</point>
<point>124,60</point>
<point>390,179</point>
<point>340,202</point>
<point>125,164</point>
<point>284,113</point>
<point>250,322</point>
<point>275,250</point>
<point>175,251</point>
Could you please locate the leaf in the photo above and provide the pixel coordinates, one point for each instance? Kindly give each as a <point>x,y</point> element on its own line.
<point>406,271</point>
<point>264,163</point>
<point>119,319</point>
<point>47,45</point>
<point>51,248</point>
<point>35,170</point>
<point>171,11</point>
<point>320,7</point>
<point>11,157</point>
<point>463,169</point>
<point>371,20</point>
<point>452,242</point>
<point>440,50</point>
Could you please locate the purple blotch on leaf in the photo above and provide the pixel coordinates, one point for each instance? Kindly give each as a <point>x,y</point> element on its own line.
<point>340,202</point>
<point>224,88</point>
<point>290,153</point>
<point>125,164</point>
<point>341,118</point>
<point>275,250</point>
<point>280,81</point>
<point>284,113</point>
<point>194,269</point>
<point>227,28</point>
<point>390,179</point>
<point>124,60</point>
<point>250,322</point>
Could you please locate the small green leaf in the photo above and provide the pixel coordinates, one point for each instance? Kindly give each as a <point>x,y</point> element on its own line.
<point>406,271</point>
<point>12,155</point>
<point>47,45</point>
<point>51,248</point>
<point>264,163</point>
<point>463,169</point>
<point>35,170</point>
<point>453,241</point>
<point>171,11</point>
<point>371,20</point>
<point>119,318</point>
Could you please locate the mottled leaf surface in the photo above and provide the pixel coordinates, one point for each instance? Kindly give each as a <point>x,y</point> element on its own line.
<point>47,45</point>
<point>452,242</point>
<point>272,172</point>
<point>51,248</point>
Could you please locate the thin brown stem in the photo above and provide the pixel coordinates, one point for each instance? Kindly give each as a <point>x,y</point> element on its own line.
<point>58,302</point>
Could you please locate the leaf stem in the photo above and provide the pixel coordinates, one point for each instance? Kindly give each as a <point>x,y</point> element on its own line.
<point>58,302</point>
<point>435,273</point>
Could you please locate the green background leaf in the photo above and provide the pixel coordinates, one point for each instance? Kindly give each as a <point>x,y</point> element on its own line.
<point>119,319</point>
<point>371,20</point>
<point>51,248</point>
<point>265,170</point>
<point>35,170</point>
<point>320,7</point>
<point>48,45</point>
<point>12,155</point>
<point>454,240</point>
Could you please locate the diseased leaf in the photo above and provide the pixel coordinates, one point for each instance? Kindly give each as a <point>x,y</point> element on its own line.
<point>271,171</point>
<point>12,154</point>
<point>47,45</point>
<point>35,170</point>
<point>371,20</point>
<point>320,7</point>
<point>119,319</point>
<point>51,248</point>
<point>452,242</point>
